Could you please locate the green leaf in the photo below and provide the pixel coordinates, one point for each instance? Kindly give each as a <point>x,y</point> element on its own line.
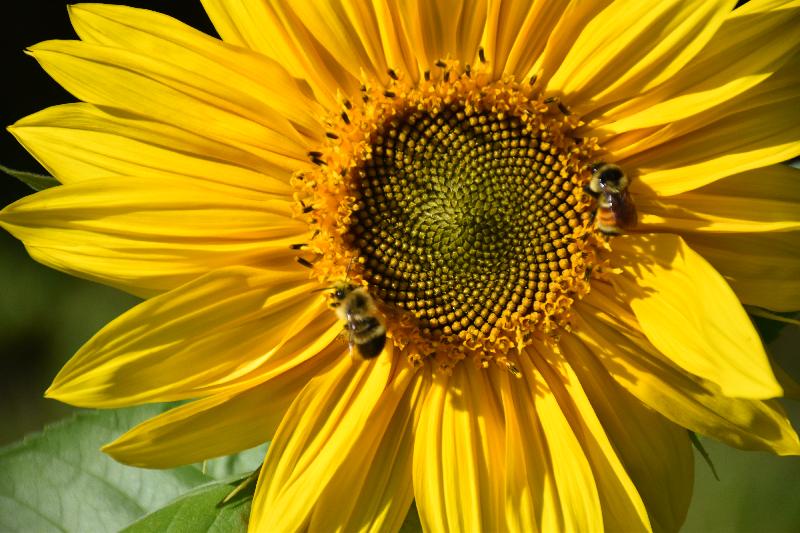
<point>411,524</point>
<point>233,466</point>
<point>37,182</point>
<point>197,512</point>
<point>703,453</point>
<point>786,318</point>
<point>58,480</point>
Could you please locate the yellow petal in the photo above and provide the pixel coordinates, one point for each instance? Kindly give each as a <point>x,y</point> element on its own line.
<point>77,142</point>
<point>393,38</point>
<point>322,464</point>
<point>763,269</point>
<point>380,474</point>
<point>473,18</point>
<point>219,425</point>
<point>442,29</point>
<point>549,481</point>
<point>657,453</point>
<point>348,30</point>
<point>273,29</point>
<point>691,315</point>
<point>758,128</point>
<point>428,23</point>
<point>622,506</point>
<point>516,34</point>
<point>194,340</point>
<point>631,47</point>
<point>689,401</point>
<point>755,40</point>
<point>193,100</point>
<point>764,199</point>
<point>574,19</point>
<point>151,33</point>
<point>458,468</point>
<point>775,91</point>
<point>138,235</point>
<point>526,45</point>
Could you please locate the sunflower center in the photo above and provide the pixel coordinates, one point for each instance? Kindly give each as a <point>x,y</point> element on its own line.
<point>462,218</point>
<point>462,202</point>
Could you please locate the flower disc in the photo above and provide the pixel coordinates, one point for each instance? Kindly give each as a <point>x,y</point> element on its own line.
<point>465,208</point>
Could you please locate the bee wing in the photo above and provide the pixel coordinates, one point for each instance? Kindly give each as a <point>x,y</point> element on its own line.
<point>627,211</point>
<point>621,204</point>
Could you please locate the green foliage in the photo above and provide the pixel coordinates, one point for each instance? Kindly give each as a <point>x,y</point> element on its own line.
<point>703,453</point>
<point>198,511</point>
<point>411,524</point>
<point>232,466</point>
<point>37,182</point>
<point>58,480</point>
<point>756,491</point>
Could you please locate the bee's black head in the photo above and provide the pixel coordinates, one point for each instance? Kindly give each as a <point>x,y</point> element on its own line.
<point>597,165</point>
<point>610,175</point>
<point>341,289</point>
<point>607,177</point>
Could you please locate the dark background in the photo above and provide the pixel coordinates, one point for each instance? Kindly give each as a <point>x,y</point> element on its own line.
<point>45,315</point>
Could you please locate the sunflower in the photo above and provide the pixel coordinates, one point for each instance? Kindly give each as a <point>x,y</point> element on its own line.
<point>544,356</point>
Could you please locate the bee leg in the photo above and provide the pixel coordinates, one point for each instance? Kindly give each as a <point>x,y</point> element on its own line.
<point>354,353</point>
<point>610,232</point>
<point>350,342</point>
<point>513,370</point>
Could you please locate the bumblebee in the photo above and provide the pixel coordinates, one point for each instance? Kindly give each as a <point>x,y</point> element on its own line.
<point>355,307</point>
<point>615,209</point>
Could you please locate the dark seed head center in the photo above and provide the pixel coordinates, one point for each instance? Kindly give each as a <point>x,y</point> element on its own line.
<point>463,216</point>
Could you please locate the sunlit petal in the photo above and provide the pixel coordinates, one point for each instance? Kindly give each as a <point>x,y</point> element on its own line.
<point>134,234</point>
<point>755,264</point>
<point>759,37</point>
<point>222,326</point>
<point>655,451</point>
<point>457,469</point>
<point>762,200</point>
<point>247,418</point>
<point>631,47</point>
<point>688,311</point>
<point>77,142</point>
<point>691,402</point>
<point>365,405</point>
